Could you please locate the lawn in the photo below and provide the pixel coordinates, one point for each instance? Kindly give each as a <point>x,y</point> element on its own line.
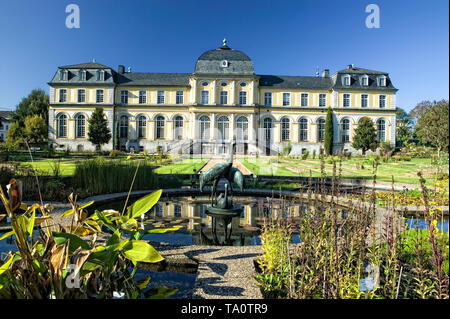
<point>186,166</point>
<point>403,172</point>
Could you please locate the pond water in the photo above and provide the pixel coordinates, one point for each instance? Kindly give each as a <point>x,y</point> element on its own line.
<point>191,214</point>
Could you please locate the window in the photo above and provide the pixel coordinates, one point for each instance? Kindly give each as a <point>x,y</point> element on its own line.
<point>223,127</point>
<point>303,130</point>
<point>381,130</point>
<point>223,84</point>
<point>204,97</point>
<point>62,95</point>
<point>320,129</point>
<point>63,75</point>
<point>304,99</point>
<point>267,126</point>
<point>364,80</point>
<point>177,211</point>
<point>382,80</point>
<point>223,97</point>
<point>100,75</point>
<point>160,126</point>
<point>61,123</point>
<point>178,127</point>
<point>123,126</point>
<point>346,101</point>
<point>242,128</point>
<point>124,97</point>
<point>142,126</point>
<point>205,83</point>
<point>346,79</point>
<point>142,97</point>
<point>81,96</point>
<point>80,126</point>
<point>179,97</point>
<point>243,84</point>
<point>322,99</point>
<point>99,96</point>
<point>364,100</point>
<point>160,99</point>
<point>345,130</point>
<point>268,98</point>
<point>286,99</point>
<point>242,97</point>
<point>285,129</point>
<point>204,127</point>
<point>82,75</point>
<point>382,101</point>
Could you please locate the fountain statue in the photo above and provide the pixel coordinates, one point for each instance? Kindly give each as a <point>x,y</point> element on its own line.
<point>222,207</point>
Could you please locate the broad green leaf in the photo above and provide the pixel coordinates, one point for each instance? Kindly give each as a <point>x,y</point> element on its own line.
<point>8,263</point>
<point>75,241</point>
<point>30,225</point>
<point>96,260</point>
<point>87,204</point>
<point>131,224</point>
<point>160,292</point>
<point>106,221</point>
<point>67,213</point>
<point>143,205</point>
<point>162,230</point>
<point>114,239</point>
<point>6,235</point>
<point>138,250</point>
<point>142,283</point>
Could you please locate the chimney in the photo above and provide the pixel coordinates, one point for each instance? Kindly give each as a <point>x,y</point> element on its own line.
<point>326,73</point>
<point>129,69</point>
<point>121,69</point>
<point>350,66</point>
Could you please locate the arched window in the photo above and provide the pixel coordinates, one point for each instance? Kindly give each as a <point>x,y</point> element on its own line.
<point>242,128</point>
<point>204,127</point>
<point>142,126</point>
<point>123,126</point>
<point>381,130</point>
<point>61,124</point>
<point>178,127</point>
<point>223,125</point>
<point>80,126</point>
<point>159,126</point>
<point>268,125</point>
<point>320,129</point>
<point>285,129</point>
<point>303,130</point>
<point>345,130</point>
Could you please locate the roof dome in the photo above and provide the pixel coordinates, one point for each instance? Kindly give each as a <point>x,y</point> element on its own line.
<point>224,60</point>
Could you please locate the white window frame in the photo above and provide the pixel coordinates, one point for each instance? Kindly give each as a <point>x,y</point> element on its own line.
<point>380,79</point>
<point>124,98</point>
<point>384,101</point>
<point>203,98</point>
<point>282,98</point>
<point>349,99</point>
<point>83,75</point>
<point>271,98</point>
<point>242,97</point>
<point>160,97</point>
<point>365,80</point>
<point>301,99</point>
<point>345,78</point>
<point>177,97</point>
<point>142,99</point>
<point>79,95</point>
<point>97,96</point>
<point>325,99</point>
<point>223,97</point>
<point>367,100</point>
<point>80,125</point>
<point>64,95</point>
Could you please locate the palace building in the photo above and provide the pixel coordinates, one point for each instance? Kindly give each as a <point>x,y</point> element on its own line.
<point>223,99</point>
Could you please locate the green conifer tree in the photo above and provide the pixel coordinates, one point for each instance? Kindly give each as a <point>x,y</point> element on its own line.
<point>98,132</point>
<point>328,137</point>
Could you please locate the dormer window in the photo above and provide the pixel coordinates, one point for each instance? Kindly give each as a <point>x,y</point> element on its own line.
<point>346,79</point>
<point>224,64</point>
<point>63,75</point>
<point>100,75</point>
<point>364,80</point>
<point>82,75</point>
<point>382,80</point>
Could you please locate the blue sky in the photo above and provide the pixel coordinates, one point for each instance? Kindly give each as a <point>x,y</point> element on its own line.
<point>281,37</point>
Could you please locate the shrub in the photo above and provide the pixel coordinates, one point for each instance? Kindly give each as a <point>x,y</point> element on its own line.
<point>115,153</point>
<point>305,155</point>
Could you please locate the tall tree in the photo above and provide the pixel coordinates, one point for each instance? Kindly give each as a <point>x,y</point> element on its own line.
<point>98,131</point>
<point>35,103</point>
<point>365,137</point>
<point>403,126</point>
<point>328,137</point>
<point>36,129</point>
<point>432,127</point>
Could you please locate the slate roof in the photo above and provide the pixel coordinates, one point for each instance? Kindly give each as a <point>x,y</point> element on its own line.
<point>355,80</point>
<point>153,79</point>
<point>295,82</point>
<point>5,114</point>
<point>89,65</point>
